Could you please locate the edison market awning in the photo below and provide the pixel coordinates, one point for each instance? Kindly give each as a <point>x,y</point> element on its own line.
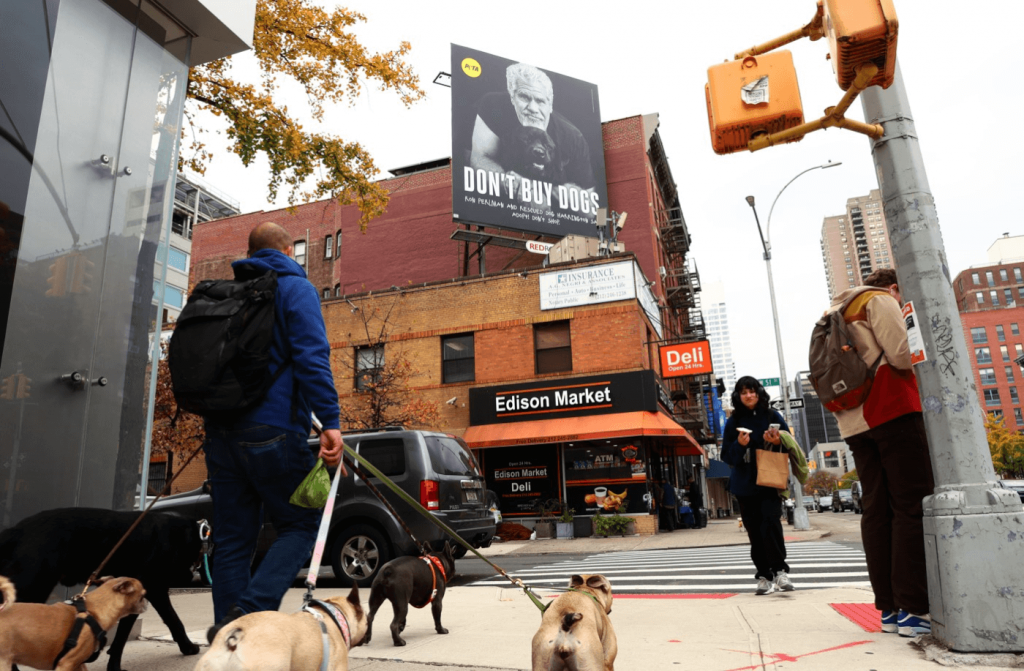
<point>592,427</point>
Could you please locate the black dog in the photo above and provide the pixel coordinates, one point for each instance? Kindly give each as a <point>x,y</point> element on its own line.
<point>66,545</point>
<point>531,154</point>
<point>414,581</point>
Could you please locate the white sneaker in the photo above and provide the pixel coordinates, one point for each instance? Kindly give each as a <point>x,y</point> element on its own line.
<point>783,583</point>
<point>764,586</point>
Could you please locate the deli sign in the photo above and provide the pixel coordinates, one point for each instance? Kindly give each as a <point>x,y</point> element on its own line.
<point>690,358</point>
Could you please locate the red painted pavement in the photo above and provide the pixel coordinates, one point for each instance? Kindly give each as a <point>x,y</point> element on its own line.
<point>779,657</point>
<point>664,596</point>
<point>864,615</point>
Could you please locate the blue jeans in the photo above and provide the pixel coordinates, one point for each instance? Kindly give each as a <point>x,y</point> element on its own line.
<point>251,466</point>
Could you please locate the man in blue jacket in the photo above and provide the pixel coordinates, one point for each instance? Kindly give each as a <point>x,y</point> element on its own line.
<point>260,460</point>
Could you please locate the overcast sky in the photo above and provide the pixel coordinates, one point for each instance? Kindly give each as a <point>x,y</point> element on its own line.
<point>645,57</point>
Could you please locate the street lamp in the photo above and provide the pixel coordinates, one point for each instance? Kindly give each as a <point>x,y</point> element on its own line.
<point>800,520</point>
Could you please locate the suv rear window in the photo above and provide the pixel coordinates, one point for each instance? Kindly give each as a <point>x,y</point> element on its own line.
<point>387,454</point>
<point>448,457</point>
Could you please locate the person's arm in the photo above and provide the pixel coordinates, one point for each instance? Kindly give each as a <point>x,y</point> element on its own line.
<point>732,448</point>
<point>311,352</point>
<point>485,149</point>
<point>890,330</point>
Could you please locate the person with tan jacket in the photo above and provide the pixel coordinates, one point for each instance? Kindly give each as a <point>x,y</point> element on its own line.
<point>887,437</point>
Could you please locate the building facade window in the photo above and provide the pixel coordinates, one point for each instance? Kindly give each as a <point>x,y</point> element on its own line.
<point>553,347</point>
<point>1016,276</point>
<point>1000,336</point>
<point>991,396</point>
<point>1017,416</point>
<point>987,375</point>
<point>299,250</point>
<point>975,279</point>
<point>1004,352</point>
<point>1013,396</point>
<point>994,297</point>
<point>458,361</point>
<point>978,334</point>
<point>1009,373</point>
<point>328,246</point>
<point>369,365</point>
<point>982,355</point>
<point>1019,348</point>
<point>337,247</point>
<point>337,290</point>
<point>1014,329</point>
<point>1002,275</point>
<point>177,259</point>
<point>995,414</point>
<point>988,278</point>
<point>1008,296</point>
<point>980,297</point>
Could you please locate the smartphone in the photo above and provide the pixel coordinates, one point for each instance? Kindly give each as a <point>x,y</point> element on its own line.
<point>774,426</point>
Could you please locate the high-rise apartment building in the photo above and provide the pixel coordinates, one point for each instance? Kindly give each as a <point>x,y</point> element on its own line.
<point>814,423</point>
<point>990,298</point>
<point>856,243</point>
<point>717,324</point>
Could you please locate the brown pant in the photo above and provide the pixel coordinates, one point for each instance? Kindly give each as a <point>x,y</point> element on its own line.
<point>896,474</point>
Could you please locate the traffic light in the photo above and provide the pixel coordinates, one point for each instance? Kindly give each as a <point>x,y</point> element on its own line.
<point>82,275</point>
<point>752,96</point>
<point>58,279</point>
<point>8,388</point>
<point>860,32</point>
<point>24,386</point>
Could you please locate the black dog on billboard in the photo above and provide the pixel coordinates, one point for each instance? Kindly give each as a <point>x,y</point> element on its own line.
<point>523,149</point>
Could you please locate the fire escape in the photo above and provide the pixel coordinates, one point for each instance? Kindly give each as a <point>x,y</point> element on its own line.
<point>681,282</point>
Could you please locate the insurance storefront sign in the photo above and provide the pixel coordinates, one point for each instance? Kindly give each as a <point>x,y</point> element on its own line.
<point>604,283</point>
<point>569,397</point>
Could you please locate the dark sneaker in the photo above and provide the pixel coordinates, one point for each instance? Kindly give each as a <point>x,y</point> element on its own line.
<point>913,625</point>
<point>783,583</point>
<point>764,586</point>
<point>889,625</point>
<point>233,614</point>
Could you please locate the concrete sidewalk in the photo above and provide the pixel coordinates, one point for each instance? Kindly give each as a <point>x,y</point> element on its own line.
<point>491,628</point>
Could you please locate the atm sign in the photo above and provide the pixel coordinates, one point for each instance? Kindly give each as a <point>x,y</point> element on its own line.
<point>691,358</point>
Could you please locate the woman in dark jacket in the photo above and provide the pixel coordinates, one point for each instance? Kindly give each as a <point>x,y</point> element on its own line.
<point>760,507</point>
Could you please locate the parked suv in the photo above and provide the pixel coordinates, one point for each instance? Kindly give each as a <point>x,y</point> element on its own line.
<point>842,500</point>
<point>436,469</point>
<point>857,493</point>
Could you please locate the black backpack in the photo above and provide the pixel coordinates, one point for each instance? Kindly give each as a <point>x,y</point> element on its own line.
<point>219,356</point>
<point>839,376</point>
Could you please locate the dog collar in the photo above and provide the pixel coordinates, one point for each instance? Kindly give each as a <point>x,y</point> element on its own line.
<point>336,616</point>
<point>579,591</point>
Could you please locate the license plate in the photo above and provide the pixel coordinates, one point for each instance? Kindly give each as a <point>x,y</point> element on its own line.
<point>471,496</point>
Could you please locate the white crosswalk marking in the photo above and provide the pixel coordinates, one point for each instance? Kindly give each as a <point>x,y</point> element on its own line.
<point>701,570</point>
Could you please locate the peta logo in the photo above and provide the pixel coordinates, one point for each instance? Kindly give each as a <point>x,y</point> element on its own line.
<point>691,358</point>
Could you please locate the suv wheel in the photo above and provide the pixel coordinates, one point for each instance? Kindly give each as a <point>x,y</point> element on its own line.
<point>357,554</point>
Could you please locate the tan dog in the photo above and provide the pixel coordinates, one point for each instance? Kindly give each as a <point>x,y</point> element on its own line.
<point>272,641</point>
<point>575,631</point>
<point>33,634</point>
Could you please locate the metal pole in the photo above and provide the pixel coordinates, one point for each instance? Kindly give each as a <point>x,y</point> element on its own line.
<point>971,525</point>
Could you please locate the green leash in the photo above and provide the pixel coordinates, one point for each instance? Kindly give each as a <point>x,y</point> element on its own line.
<point>444,527</point>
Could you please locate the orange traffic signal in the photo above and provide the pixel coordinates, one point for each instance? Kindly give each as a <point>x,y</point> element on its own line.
<point>58,279</point>
<point>24,386</point>
<point>82,276</point>
<point>750,97</point>
<point>9,387</point>
<point>861,32</point>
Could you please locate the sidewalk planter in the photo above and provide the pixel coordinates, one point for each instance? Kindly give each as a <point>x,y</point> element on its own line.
<point>614,525</point>
<point>563,529</point>
<point>544,529</point>
<point>582,527</point>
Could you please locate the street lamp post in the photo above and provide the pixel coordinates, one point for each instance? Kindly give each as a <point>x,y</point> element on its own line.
<point>800,519</point>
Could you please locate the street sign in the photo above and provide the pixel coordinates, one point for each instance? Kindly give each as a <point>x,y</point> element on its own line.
<point>769,382</point>
<point>794,404</point>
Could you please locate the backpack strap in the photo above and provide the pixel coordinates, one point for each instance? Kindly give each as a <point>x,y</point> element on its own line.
<point>850,303</point>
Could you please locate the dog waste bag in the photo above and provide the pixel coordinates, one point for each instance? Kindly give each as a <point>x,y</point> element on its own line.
<point>313,490</point>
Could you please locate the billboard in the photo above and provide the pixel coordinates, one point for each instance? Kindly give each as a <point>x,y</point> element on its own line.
<point>688,358</point>
<point>527,152</point>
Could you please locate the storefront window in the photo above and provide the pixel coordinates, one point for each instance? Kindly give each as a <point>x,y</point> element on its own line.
<point>605,476</point>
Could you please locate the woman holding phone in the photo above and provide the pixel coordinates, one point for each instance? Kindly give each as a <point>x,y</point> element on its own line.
<point>755,426</point>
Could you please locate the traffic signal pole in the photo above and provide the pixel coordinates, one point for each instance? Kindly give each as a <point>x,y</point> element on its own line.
<point>974,529</point>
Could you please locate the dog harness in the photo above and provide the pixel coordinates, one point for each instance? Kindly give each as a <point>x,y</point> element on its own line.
<point>76,631</point>
<point>432,562</point>
<point>338,618</point>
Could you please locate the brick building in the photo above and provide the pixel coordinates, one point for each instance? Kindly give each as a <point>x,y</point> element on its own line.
<point>573,394</point>
<point>988,297</point>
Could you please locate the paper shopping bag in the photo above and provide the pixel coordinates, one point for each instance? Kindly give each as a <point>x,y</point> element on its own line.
<point>313,490</point>
<point>772,469</point>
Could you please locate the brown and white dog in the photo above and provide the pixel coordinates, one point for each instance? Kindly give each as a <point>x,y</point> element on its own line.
<point>273,641</point>
<point>575,630</point>
<point>33,634</point>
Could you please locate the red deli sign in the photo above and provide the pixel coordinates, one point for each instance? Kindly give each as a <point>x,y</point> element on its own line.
<point>691,358</point>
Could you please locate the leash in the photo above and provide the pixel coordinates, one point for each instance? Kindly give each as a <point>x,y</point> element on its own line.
<point>163,492</point>
<point>423,546</point>
<point>352,457</point>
